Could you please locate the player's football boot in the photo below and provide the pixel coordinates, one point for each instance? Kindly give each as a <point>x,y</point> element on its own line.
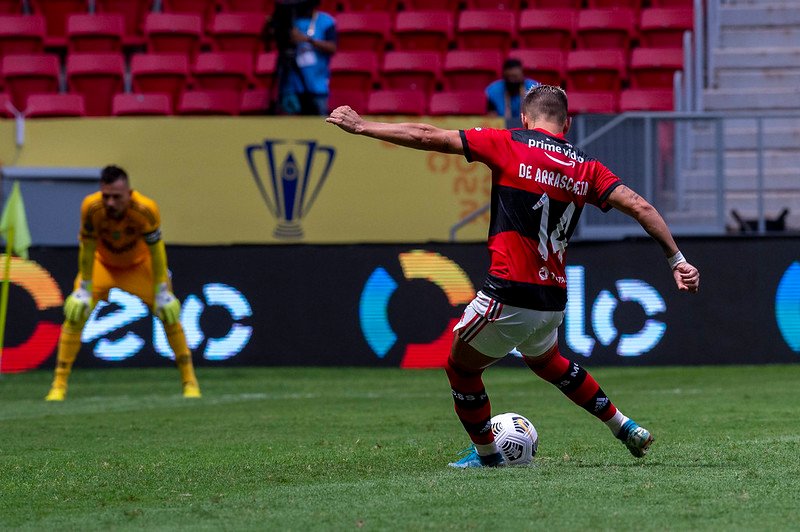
<point>191,390</point>
<point>56,394</point>
<point>637,439</point>
<point>471,458</point>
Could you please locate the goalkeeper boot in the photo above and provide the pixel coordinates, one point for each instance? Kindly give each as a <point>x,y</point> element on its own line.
<point>191,390</point>
<point>471,458</point>
<point>637,439</point>
<point>56,394</point>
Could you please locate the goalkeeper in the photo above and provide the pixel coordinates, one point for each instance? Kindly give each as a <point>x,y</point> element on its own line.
<point>120,247</point>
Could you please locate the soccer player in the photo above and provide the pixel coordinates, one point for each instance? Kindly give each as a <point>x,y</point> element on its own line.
<point>540,184</point>
<point>120,246</point>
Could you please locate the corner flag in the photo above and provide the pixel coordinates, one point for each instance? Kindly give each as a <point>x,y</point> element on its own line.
<point>14,224</point>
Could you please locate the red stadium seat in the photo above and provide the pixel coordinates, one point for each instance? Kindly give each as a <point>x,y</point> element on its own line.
<point>605,28</point>
<point>511,5</point>
<point>7,108</point>
<point>547,28</point>
<point>654,67</point>
<point>370,5</point>
<point>55,106</point>
<point>555,4</point>
<point>471,69</point>
<point>548,67</point>
<point>354,70</point>
<point>213,102</point>
<point>170,33</point>
<point>458,103</point>
<point>27,74</point>
<point>646,100</point>
<point>411,70</point>
<point>133,12</point>
<point>423,30</point>
<point>672,3</point>
<point>664,27</point>
<point>160,73</point>
<point>203,8</point>
<point>592,102</point>
<point>98,77</point>
<point>447,5</point>
<point>397,102</point>
<point>595,70</point>
<point>223,70</point>
<point>255,102</point>
<point>485,29</point>
<point>248,6</point>
<point>141,105</point>
<point>11,7</point>
<point>237,32</point>
<point>56,12</point>
<point>266,67</point>
<point>355,99</point>
<point>363,31</point>
<point>21,34</point>
<point>635,5</point>
<point>95,33</point>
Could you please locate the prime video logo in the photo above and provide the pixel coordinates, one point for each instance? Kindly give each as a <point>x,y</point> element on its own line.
<point>787,306</point>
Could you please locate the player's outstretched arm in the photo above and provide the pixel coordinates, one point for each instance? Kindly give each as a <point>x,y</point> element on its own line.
<point>411,135</point>
<point>622,198</point>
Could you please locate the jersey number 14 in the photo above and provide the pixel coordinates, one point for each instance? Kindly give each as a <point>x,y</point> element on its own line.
<point>558,237</point>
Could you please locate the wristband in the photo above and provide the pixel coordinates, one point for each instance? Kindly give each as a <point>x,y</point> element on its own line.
<point>675,260</point>
<point>86,285</point>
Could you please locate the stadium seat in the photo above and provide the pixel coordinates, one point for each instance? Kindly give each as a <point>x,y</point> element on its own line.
<point>646,100</point>
<point>592,102</point>
<point>355,99</point>
<point>27,74</point>
<point>354,70</point>
<point>370,5</point>
<point>223,70</point>
<point>654,67</point>
<point>55,13</point>
<point>397,102</point>
<point>471,69</point>
<point>548,67</point>
<point>11,7</point>
<point>672,3</point>
<point>95,33</point>
<point>418,71</point>
<point>160,73</point>
<point>55,106</point>
<point>213,102</point>
<point>599,29</point>
<point>458,103</point>
<point>171,33</point>
<point>7,107</point>
<point>664,27</point>
<point>635,5</point>
<point>98,77</point>
<point>133,12</point>
<point>547,28</point>
<point>363,31</point>
<point>511,5</point>
<point>203,8</point>
<point>129,104</point>
<point>446,5</point>
<point>265,7</point>
<point>255,102</point>
<point>423,30</point>
<point>595,70</point>
<point>267,66</point>
<point>237,32</point>
<point>481,29</point>
<point>21,34</point>
<point>555,4</point>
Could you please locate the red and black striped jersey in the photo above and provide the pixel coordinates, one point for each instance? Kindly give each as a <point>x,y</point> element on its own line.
<point>540,183</point>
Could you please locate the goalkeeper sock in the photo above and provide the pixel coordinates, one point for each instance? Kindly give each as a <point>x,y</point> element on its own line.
<point>69,344</point>
<point>471,404</point>
<point>183,357</point>
<point>574,382</point>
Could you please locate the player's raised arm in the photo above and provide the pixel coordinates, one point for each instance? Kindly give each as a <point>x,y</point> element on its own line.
<point>626,200</point>
<point>410,135</point>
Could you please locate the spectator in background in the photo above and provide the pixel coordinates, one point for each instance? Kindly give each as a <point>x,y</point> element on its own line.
<point>504,96</point>
<point>306,40</point>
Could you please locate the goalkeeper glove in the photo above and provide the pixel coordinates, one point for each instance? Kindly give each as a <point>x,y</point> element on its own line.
<point>79,303</point>
<point>168,308</point>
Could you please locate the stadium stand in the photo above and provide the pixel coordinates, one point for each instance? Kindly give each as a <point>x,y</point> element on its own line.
<point>355,99</point>
<point>11,7</point>
<point>646,100</point>
<point>131,104</point>
<point>7,108</point>
<point>471,69</point>
<point>133,12</point>
<point>664,26</point>
<point>424,30</point>
<point>603,102</point>
<point>209,102</point>
<point>598,29</point>
<point>160,73</point>
<point>654,67</point>
<point>56,13</point>
<point>458,103</point>
<point>21,34</point>
<point>55,106</point>
<point>237,32</point>
<point>27,74</point>
<point>547,28</point>
<point>403,102</point>
<point>447,5</point>
<point>598,70</point>
<point>223,71</point>
<point>480,29</point>
<point>545,66</point>
<point>354,70</point>
<point>255,102</point>
<point>247,6</point>
<point>204,9</point>
<point>266,66</point>
<point>173,33</point>
<point>98,77</point>
<point>95,33</point>
<point>418,71</point>
<point>363,31</point>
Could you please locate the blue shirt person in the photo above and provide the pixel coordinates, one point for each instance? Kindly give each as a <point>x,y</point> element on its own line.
<point>504,96</point>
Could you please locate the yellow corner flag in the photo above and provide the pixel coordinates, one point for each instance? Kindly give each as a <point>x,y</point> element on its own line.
<point>14,224</point>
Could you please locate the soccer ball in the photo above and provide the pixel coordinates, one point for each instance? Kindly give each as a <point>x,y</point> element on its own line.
<point>516,437</point>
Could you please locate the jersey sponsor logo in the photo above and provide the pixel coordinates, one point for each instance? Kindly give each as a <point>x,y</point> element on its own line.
<point>565,149</point>
<point>289,176</point>
<point>559,161</point>
<point>787,306</point>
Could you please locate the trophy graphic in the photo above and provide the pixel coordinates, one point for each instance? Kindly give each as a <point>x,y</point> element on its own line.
<point>289,177</point>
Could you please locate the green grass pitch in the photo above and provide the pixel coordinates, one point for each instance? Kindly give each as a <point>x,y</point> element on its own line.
<point>349,449</point>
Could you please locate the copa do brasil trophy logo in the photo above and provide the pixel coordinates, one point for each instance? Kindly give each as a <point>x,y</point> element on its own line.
<point>289,176</point>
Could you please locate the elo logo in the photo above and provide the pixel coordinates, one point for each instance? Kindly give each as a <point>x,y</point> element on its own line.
<point>603,316</point>
<point>373,309</point>
<point>787,306</point>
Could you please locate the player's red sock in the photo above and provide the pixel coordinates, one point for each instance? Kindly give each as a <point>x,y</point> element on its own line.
<point>471,402</point>
<point>574,382</point>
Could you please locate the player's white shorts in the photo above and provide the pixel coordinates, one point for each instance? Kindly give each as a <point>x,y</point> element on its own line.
<point>494,329</point>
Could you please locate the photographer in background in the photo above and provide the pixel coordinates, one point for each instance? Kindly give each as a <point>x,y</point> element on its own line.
<point>306,40</point>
